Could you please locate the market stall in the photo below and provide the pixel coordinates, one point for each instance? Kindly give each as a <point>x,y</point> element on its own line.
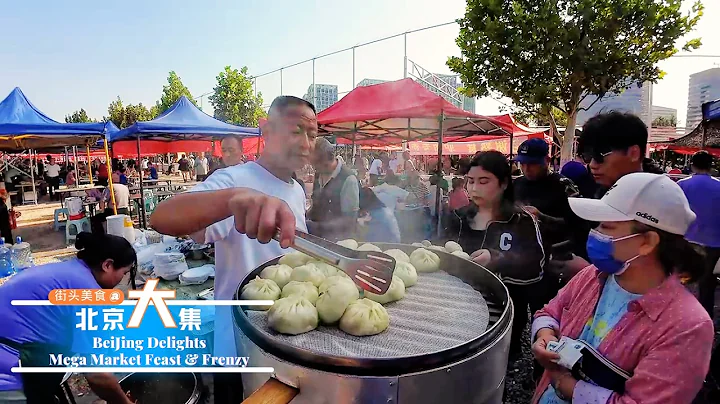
<point>404,111</point>
<point>182,121</point>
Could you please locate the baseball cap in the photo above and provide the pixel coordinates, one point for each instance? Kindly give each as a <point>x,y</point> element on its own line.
<point>532,151</point>
<point>651,199</point>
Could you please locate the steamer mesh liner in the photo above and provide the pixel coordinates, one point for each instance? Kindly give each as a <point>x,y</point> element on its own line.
<point>437,313</point>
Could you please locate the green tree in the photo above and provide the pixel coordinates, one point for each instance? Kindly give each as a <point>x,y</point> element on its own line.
<point>234,100</point>
<point>665,121</point>
<point>124,116</point>
<point>172,92</point>
<point>544,54</point>
<point>78,117</point>
<point>540,117</point>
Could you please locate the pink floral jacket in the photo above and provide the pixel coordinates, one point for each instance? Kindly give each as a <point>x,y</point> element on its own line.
<point>665,341</point>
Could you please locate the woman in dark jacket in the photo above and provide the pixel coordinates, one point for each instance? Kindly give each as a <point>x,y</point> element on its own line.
<point>502,237</point>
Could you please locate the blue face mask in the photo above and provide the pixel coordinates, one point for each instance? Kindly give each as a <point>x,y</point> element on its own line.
<point>601,248</point>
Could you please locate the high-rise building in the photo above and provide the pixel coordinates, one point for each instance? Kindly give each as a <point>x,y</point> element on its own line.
<point>446,86</point>
<point>704,86</point>
<point>636,100</point>
<point>327,95</point>
<point>370,82</point>
<point>664,112</point>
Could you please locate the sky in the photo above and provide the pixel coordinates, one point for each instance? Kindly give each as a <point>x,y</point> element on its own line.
<point>83,54</point>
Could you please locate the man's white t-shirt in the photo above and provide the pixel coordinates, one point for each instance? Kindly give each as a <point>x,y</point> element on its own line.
<point>201,166</point>
<point>52,170</point>
<point>236,255</point>
<point>122,195</point>
<point>375,167</point>
<point>393,165</point>
<point>390,195</point>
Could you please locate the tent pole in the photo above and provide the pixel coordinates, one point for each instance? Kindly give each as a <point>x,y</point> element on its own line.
<point>76,162</point>
<point>314,89</point>
<point>257,154</point>
<point>89,166</point>
<point>110,183</point>
<point>32,179</point>
<point>438,190</point>
<point>142,192</point>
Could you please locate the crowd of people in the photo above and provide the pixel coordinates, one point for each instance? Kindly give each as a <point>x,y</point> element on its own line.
<point>603,249</point>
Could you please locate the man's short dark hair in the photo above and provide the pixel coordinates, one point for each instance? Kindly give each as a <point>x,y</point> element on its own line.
<point>236,137</point>
<point>702,160</point>
<point>283,102</point>
<point>614,131</point>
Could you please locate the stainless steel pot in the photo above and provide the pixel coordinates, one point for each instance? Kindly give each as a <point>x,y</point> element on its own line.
<point>472,372</point>
<point>163,388</point>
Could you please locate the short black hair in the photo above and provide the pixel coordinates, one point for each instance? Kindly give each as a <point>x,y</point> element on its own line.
<point>283,102</point>
<point>702,160</point>
<point>613,130</point>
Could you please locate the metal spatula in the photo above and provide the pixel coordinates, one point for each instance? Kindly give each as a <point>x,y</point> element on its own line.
<point>372,271</point>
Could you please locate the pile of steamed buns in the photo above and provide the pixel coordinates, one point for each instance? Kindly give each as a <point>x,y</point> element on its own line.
<point>308,292</point>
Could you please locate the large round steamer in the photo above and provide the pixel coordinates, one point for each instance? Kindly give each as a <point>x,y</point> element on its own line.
<point>470,372</point>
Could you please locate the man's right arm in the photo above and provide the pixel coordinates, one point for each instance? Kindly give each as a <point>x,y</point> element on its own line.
<point>191,212</point>
<point>256,214</point>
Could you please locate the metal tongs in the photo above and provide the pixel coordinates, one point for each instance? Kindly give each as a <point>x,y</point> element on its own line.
<point>370,270</point>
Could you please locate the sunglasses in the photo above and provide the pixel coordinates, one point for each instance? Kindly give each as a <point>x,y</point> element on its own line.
<point>597,156</point>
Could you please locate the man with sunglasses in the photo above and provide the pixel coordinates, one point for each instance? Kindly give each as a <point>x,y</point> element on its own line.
<point>613,144</point>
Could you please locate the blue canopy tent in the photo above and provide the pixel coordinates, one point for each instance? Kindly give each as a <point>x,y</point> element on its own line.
<point>24,127</point>
<point>182,121</point>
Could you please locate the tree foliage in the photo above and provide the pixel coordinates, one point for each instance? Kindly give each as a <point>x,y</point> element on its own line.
<point>543,54</point>
<point>78,117</point>
<point>661,121</point>
<point>172,92</point>
<point>540,117</point>
<point>234,100</point>
<point>126,115</point>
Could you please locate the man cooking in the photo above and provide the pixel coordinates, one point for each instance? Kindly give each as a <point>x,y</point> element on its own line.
<point>336,195</point>
<point>242,206</point>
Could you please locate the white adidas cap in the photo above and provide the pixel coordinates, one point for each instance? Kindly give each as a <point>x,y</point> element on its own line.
<point>651,199</point>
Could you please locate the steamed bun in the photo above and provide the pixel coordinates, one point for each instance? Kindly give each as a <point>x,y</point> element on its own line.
<point>436,248</point>
<point>349,243</point>
<point>406,272</point>
<point>260,289</point>
<point>425,260</point>
<point>279,273</point>
<point>364,317</point>
<point>418,245</point>
<point>452,246</point>
<point>308,273</point>
<point>293,315</point>
<point>426,243</point>
<point>295,259</point>
<point>331,281</point>
<point>304,289</point>
<point>335,298</point>
<point>325,268</point>
<point>394,293</point>
<point>399,255</point>
<point>369,247</point>
<point>461,254</point>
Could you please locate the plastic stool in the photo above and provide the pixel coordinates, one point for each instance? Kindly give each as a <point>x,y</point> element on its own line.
<point>56,223</point>
<point>73,227</point>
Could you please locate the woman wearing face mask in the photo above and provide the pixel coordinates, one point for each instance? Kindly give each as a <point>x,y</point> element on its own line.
<point>502,237</point>
<point>630,304</point>
<point>33,332</point>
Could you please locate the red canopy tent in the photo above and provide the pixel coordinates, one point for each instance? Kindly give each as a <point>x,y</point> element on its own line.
<point>403,110</point>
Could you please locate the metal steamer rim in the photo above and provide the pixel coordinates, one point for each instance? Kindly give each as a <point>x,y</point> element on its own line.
<point>474,275</point>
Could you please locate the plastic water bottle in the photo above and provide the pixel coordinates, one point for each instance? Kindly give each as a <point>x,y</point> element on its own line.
<point>21,254</point>
<point>6,266</point>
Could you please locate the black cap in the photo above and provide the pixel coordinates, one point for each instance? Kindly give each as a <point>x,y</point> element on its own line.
<point>533,151</point>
